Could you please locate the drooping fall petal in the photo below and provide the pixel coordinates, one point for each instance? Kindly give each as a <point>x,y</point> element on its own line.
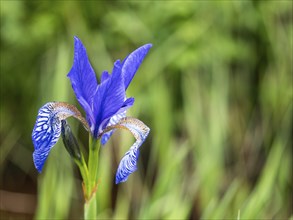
<point>47,129</point>
<point>128,163</point>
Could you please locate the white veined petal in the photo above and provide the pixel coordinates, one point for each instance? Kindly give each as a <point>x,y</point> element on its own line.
<point>47,129</point>
<point>128,163</point>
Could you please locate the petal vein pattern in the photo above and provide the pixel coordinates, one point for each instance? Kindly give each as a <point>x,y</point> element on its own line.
<point>128,163</point>
<point>114,120</point>
<point>47,129</point>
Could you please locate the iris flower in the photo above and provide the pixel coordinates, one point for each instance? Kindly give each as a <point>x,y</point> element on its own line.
<point>104,104</point>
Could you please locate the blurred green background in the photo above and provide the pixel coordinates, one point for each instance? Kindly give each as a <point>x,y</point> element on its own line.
<point>215,89</point>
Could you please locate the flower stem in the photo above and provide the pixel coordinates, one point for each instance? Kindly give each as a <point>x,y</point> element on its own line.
<point>93,160</point>
<point>90,206</point>
<point>85,174</point>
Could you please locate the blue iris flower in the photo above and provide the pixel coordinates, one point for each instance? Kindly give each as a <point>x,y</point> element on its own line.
<point>105,105</point>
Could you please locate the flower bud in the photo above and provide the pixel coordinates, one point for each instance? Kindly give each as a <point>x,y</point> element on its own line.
<point>70,141</point>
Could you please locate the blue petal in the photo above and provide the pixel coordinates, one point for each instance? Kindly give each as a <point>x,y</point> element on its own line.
<point>116,118</point>
<point>132,63</point>
<point>109,98</point>
<point>128,103</point>
<point>105,75</point>
<point>47,129</point>
<point>128,163</point>
<point>113,120</point>
<point>83,79</point>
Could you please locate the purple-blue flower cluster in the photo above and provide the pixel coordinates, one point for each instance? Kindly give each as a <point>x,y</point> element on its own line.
<point>105,105</point>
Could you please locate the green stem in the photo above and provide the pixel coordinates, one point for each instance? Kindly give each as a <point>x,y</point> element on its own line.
<point>85,175</point>
<point>90,206</point>
<point>93,162</point>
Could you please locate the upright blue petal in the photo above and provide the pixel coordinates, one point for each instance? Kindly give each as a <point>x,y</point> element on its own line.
<point>132,63</point>
<point>105,75</point>
<point>47,129</point>
<point>83,80</point>
<point>109,98</point>
<point>128,69</point>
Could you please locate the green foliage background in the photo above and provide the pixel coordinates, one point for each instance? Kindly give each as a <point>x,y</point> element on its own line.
<point>215,89</point>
